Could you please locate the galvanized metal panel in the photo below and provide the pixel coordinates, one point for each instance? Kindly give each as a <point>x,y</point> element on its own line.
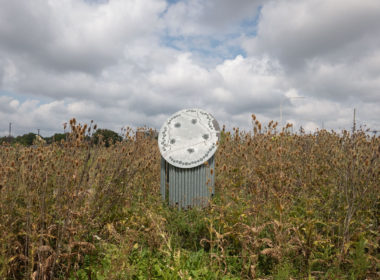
<point>212,172</point>
<point>203,186</point>
<point>185,177</point>
<point>197,186</point>
<point>172,187</point>
<point>188,193</point>
<point>203,193</point>
<point>192,186</point>
<point>183,187</point>
<point>178,184</point>
<point>181,182</point>
<point>163,178</point>
<point>208,179</point>
<point>189,187</point>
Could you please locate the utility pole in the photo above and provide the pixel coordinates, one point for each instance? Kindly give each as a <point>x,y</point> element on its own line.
<point>354,122</point>
<point>10,129</point>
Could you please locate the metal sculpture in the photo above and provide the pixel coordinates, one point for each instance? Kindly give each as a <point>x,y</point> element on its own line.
<point>187,142</point>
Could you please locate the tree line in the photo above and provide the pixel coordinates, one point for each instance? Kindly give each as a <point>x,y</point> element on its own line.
<point>107,136</point>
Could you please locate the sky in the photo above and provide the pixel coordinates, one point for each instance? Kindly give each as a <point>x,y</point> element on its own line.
<point>136,62</point>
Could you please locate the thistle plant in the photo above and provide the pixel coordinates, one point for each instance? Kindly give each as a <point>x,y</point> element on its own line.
<point>287,206</point>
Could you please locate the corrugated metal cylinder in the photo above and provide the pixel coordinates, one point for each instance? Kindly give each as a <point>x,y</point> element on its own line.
<point>190,187</point>
<point>188,141</point>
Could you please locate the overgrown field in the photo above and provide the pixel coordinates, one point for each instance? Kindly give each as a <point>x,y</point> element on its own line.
<point>287,206</point>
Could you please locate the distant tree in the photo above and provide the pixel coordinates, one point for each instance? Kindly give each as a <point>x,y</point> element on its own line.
<point>6,139</point>
<point>57,137</point>
<point>26,139</point>
<point>107,136</point>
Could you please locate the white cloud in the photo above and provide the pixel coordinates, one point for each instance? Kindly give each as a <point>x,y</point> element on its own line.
<point>182,77</point>
<point>256,84</point>
<point>113,62</point>
<point>73,35</point>
<point>297,31</point>
<point>329,51</point>
<point>212,17</point>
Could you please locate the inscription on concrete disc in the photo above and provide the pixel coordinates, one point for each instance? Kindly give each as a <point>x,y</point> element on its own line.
<point>188,138</point>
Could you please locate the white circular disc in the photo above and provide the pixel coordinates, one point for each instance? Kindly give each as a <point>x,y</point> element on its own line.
<point>188,138</point>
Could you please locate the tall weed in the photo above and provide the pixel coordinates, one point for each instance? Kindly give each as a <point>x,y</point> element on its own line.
<point>286,206</point>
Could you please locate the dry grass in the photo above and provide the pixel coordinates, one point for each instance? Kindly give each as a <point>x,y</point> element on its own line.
<point>286,206</point>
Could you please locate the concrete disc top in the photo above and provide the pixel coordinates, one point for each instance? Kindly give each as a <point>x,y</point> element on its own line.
<point>188,138</point>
